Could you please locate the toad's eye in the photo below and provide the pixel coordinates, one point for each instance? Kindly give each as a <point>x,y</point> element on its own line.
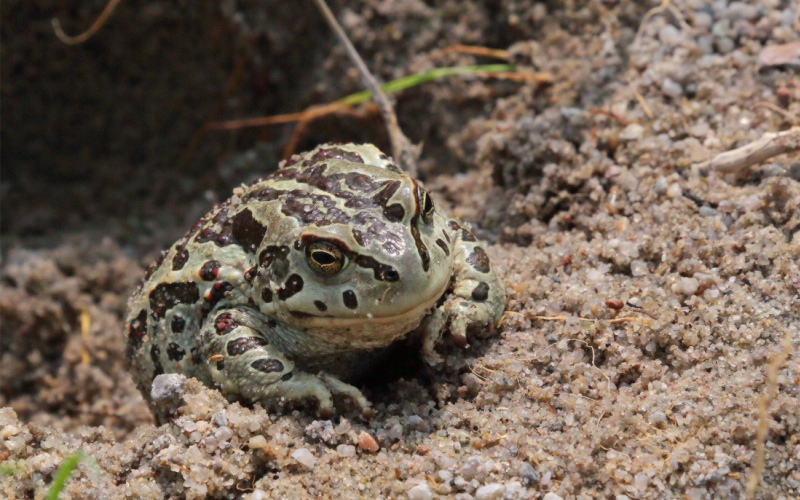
<point>325,258</point>
<point>426,202</point>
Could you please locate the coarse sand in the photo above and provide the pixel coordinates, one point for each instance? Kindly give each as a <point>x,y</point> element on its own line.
<point>647,296</point>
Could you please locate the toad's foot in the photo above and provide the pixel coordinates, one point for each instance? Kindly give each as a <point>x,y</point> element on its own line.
<point>241,361</point>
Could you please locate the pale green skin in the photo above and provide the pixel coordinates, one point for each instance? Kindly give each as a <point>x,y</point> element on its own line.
<point>315,351</point>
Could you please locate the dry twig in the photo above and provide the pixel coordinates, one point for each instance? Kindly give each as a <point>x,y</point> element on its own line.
<point>94,28</point>
<point>403,151</point>
<point>627,319</point>
<point>477,51</point>
<point>769,145</point>
<point>665,5</point>
<point>763,414</point>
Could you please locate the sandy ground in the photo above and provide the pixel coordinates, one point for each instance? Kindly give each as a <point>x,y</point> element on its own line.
<point>647,296</point>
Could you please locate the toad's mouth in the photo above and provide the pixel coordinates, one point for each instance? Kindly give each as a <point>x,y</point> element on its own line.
<point>328,321</point>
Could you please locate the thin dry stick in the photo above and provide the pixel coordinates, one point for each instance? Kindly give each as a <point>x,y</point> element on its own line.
<point>94,28</point>
<point>665,5</point>
<point>86,325</point>
<point>763,414</point>
<point>796,22</point>
<point>643,104</point>
<point>477,51</point>
<point>402,150</point>
<point>627,319</point>
<point>769,145</point>
<point>788,116</point>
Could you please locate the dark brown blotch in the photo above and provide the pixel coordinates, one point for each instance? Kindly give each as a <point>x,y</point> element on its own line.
<point>266,295</point>
<point>216,293</point>
<point>210,270</point>
<point>224,323</point>
<point>241,345</point>
<point>394,212</point>
<point>267,365</point>
<point>480,292</point>
<point>422,250</point>
<point>479,260</point>
<point>272,253</point>
<point>177,324</point>
<point>382,197</point>
<point>339,154</point>
<point>443,246</point>
<point>467,236</point>
<point>350,299</point>
<point>219,228</point>
<point>180,259</point>
<point>381,272</point>
<point>197,356</point>
<point>250,274</point>
<point>137,329</point>
<point>175,352</point>
<point>293,285</point>
<point>166,295</point>
<point>359,182</point>
<point>454,225</point>
<point>359,237</point>
<point>275,258</point>
<point>320,305</point>
<point>247,230</point>
<point>155,265</point>
<point>155,357</point>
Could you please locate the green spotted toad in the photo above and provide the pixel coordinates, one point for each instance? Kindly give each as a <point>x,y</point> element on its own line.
<point>289,288</point>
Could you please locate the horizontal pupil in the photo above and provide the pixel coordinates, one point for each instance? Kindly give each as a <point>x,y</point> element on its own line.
<point>323,258</point>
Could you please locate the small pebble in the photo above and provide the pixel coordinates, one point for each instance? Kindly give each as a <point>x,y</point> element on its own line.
<point>8,431</point>
<point>167,387</point>
<point>395,432</point>
<point>641,481</point>
<point>671,88</point>
<point>420,492</point>
<point>304,457</point>
<point>551,496</point>
<point>703,19</point>
<point>725,45</point>
<point>444,476</point>
<point>367,442</point>
<point>686,286</point>
<point>658,417</point>
<point>257,442</point>
<point>528,474</point>
<point>632,132</point>
<point>346,450</point>
<point>220,419</point>
<point>490,492</point>
<point>660,187</point>
<point>414,421</point>
<point>639,268</point>
<point>470,467</point>
<point>669,34</point>
<point>707,211</point>
<point>674,190</point>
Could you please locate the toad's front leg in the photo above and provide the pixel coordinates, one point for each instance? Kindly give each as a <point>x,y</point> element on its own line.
<point>241,361</point>
<point>477,299</point>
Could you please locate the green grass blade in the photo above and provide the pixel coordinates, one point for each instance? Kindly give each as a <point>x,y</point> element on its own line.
<point>66,468</point>
<point>417,79</point>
